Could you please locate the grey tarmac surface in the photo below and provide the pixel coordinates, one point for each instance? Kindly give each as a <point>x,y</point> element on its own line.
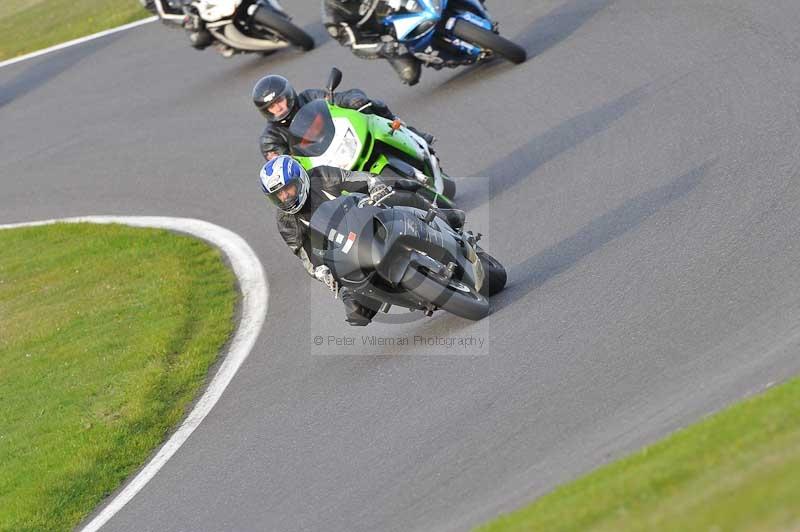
<point>638,177</point>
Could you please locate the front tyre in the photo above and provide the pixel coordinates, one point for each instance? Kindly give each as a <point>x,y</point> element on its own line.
<point>489,40</point>
<point>283,27</point>
<point>450,295</point>
<point>495,274</point>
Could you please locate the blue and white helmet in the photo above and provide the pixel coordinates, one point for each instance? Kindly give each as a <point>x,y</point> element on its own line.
<point>285,182</point>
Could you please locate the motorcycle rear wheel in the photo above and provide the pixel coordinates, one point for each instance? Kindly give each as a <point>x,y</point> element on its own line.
<point>283,27</point>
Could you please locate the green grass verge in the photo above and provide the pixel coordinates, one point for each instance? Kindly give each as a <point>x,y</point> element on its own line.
<point>29,25</point>
<point>737,470</point>
<point>106,335</point>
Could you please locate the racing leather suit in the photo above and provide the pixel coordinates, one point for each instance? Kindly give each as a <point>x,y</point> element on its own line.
<point>326,182</point>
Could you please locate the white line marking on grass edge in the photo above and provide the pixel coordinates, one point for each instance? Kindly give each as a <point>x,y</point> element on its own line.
<point>255,292</point>
<point>73,42</point>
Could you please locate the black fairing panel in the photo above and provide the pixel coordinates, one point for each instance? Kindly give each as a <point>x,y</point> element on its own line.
<point>357,242</point>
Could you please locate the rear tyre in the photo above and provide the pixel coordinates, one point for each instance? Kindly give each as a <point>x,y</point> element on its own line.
<point>496,276</point>
<point>489,40</point>
<point>451,295</point>
<point>283,27</point>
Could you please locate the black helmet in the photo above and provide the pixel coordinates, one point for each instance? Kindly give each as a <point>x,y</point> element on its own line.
<point>268,93</point>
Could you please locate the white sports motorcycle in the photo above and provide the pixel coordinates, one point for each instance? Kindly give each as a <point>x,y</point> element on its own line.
<point>233,26</point>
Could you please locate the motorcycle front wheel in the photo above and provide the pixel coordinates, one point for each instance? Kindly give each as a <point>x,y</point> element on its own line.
<point>490,40</point>
<point>450,295</point>
<point>496,276</point>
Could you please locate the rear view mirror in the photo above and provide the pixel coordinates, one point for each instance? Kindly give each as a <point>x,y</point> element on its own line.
<point>333,81</point>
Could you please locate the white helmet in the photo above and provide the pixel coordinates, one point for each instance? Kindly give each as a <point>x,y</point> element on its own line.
<point>286,183</point>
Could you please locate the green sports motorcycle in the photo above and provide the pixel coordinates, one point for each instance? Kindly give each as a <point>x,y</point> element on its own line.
<point>324,134</point>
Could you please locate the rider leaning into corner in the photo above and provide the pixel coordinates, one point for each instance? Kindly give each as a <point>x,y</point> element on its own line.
<point>199,36</point>
<point>278,102</point>
<point>296,194</point>
<point>356,23</point>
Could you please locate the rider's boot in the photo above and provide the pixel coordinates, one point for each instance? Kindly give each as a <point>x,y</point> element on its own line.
<point>356,313</point>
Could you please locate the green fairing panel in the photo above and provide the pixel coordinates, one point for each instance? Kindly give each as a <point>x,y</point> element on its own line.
<point>379,165</point>
<point>382,132</point>
<point>305,162</point>
<point>358,121</point>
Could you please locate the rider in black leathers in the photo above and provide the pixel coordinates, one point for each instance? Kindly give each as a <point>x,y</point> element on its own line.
<point>355,23</point>
<point>324,183</point>
<point>270,90</point>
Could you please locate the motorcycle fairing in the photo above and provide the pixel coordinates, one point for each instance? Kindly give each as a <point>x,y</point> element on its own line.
<point>417,27</point>
<point>344,133</point>
<point>408,28</point>
<point>170,13</point>
<point>344,149</point>
<point>373,250</point>
<point>214,10</point>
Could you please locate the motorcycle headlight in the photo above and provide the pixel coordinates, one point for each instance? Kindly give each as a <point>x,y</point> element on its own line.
<point>348,149</point>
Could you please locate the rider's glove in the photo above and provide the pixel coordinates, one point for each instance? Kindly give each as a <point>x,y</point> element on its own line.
<point>323,274</point>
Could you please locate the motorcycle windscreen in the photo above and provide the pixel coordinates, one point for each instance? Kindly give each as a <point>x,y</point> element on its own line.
<point>312,130</point>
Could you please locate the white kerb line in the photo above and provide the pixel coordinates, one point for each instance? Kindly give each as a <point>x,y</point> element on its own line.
<point>73,42</point>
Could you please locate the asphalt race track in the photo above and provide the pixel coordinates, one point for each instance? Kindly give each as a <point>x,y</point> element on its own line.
<point>638,176</point>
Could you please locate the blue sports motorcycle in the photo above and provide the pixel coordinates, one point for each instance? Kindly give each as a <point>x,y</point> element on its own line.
<point>447,33</point>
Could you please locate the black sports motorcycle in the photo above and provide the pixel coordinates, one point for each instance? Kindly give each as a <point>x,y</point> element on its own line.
<point>404,256</point>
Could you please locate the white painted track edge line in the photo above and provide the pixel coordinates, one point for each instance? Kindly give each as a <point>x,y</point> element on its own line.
<point>81,40</point>
<point>255,293</point>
